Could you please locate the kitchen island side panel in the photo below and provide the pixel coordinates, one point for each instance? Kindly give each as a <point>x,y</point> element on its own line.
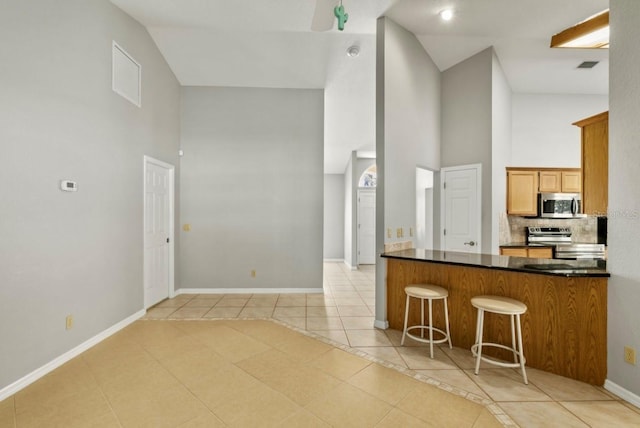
<point>564,330</point>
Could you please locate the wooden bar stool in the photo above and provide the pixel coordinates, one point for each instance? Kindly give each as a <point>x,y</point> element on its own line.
<point>430,293</point>
<point>504,306</point>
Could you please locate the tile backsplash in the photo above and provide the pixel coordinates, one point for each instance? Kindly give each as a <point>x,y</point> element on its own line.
<point>512,228</point>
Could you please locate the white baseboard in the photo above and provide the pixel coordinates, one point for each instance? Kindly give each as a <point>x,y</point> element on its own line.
<point>351,267</point>
<point>27,380</point>
<point>249,291</point>
<point>625,394</point>
<point>381,324</point>
<point>333,260</point>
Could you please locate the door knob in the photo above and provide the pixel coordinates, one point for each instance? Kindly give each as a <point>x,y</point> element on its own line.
<point>470,243</point>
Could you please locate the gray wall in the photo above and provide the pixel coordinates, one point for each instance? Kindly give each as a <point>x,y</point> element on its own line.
<point>252,188</point>
<point>349,212</point>
<point>624,194</point>
<point>333,217</point>
<point>475,106</point>
<point>412,124</point>
<point>73,253</point>
<point>407,134</point>
<point>501,97</point>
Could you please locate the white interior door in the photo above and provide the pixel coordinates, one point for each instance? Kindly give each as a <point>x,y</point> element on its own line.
<point>158,226</point>
<point>366,227</point>
<point>461,208</point>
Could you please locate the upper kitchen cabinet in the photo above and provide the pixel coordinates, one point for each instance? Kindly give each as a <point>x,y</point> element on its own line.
<point>571,181</point>
<point>522,192</point>
<point>595,163</point>
<point>555,181</point>
<point>524,184</point>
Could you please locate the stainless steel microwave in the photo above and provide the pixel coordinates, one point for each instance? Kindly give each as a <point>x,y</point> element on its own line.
<point>560,205</point>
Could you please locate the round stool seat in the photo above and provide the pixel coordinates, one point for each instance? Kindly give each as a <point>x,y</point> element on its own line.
<point>503,306</point>
<point>426,291</point>
<point>499,305</point>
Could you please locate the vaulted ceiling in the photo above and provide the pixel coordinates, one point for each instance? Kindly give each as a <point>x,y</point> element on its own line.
<point>269,43</point>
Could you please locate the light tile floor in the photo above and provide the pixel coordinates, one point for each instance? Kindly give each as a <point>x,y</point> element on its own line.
<point>236,373</point>
<point>344,315</point>
<point>328,367</point>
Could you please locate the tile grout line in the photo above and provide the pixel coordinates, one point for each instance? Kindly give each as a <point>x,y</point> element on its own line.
<point>327,285</point>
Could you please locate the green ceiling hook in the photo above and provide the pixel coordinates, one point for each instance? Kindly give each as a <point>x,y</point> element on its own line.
<point>342,17</point>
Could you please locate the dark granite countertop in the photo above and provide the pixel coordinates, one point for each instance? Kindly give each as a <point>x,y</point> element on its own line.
<point>557,267</point>
<point>526,245</point>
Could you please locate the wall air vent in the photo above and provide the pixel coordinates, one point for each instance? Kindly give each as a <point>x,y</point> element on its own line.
<point>588,64</point>
<point>126,75</point>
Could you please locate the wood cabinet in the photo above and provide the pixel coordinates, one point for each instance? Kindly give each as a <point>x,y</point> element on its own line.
<point>516,252</point>
<point>595,163</point>
<point>522,192</point>
<point>550,181</point>
<point>571,181</point>
<point>534,253</point>
<point>564,328</point>
<point>566,181</point>
<point>524,184</point>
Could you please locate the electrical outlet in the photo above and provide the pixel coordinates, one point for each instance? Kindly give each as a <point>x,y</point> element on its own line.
<point>411,231</point>
<point>389,233</point>
<point>69,322</point>
<point>253,273</point>
<point>399,232</point>
<point>629,355</point>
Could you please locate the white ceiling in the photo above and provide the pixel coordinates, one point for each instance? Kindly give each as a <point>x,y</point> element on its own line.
<point>268,43</point>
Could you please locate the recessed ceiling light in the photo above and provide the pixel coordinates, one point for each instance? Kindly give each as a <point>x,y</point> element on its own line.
<point>446,14</point>
<point>353,51</point>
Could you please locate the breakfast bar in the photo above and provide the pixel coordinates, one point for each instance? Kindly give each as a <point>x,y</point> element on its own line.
<point>564,330</point>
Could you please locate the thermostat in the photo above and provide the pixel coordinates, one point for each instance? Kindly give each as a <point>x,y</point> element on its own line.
<point>68,186</point>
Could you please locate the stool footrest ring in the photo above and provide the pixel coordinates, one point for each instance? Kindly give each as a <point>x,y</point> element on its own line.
<point>426,339</point>
<point>474,351</point>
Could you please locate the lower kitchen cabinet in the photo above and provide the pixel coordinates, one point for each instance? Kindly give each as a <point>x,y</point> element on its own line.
<point>534,253</point>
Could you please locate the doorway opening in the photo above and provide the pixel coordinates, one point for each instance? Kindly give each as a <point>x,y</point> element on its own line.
<point>424,209</point>
<point>366,217</point>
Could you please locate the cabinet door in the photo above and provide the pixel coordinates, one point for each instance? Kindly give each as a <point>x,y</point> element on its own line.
<point>522,192</point>
<point>595,168</point>
<point>540,253</point>
<point>517,252</point>
<point>550,181</point>
<point>571,181</point>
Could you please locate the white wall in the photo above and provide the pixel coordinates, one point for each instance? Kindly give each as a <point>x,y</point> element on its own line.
<point>252,188</point>
<point>467,124</point>
<point>407,134</point>
<point>542,130</point>
<point>624,195</point>
<point>333,248</point>
<point>350,103</point>
<point>73,253</point>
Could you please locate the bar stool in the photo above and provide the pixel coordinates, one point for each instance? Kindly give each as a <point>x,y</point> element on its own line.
<point>430,293</point>
<point>504,306</point>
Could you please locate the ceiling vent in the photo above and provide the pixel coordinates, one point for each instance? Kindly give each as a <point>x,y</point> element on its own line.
<point>588,64</point>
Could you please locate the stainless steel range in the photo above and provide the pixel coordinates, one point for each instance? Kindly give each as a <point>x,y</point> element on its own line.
<point>560,238</point>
